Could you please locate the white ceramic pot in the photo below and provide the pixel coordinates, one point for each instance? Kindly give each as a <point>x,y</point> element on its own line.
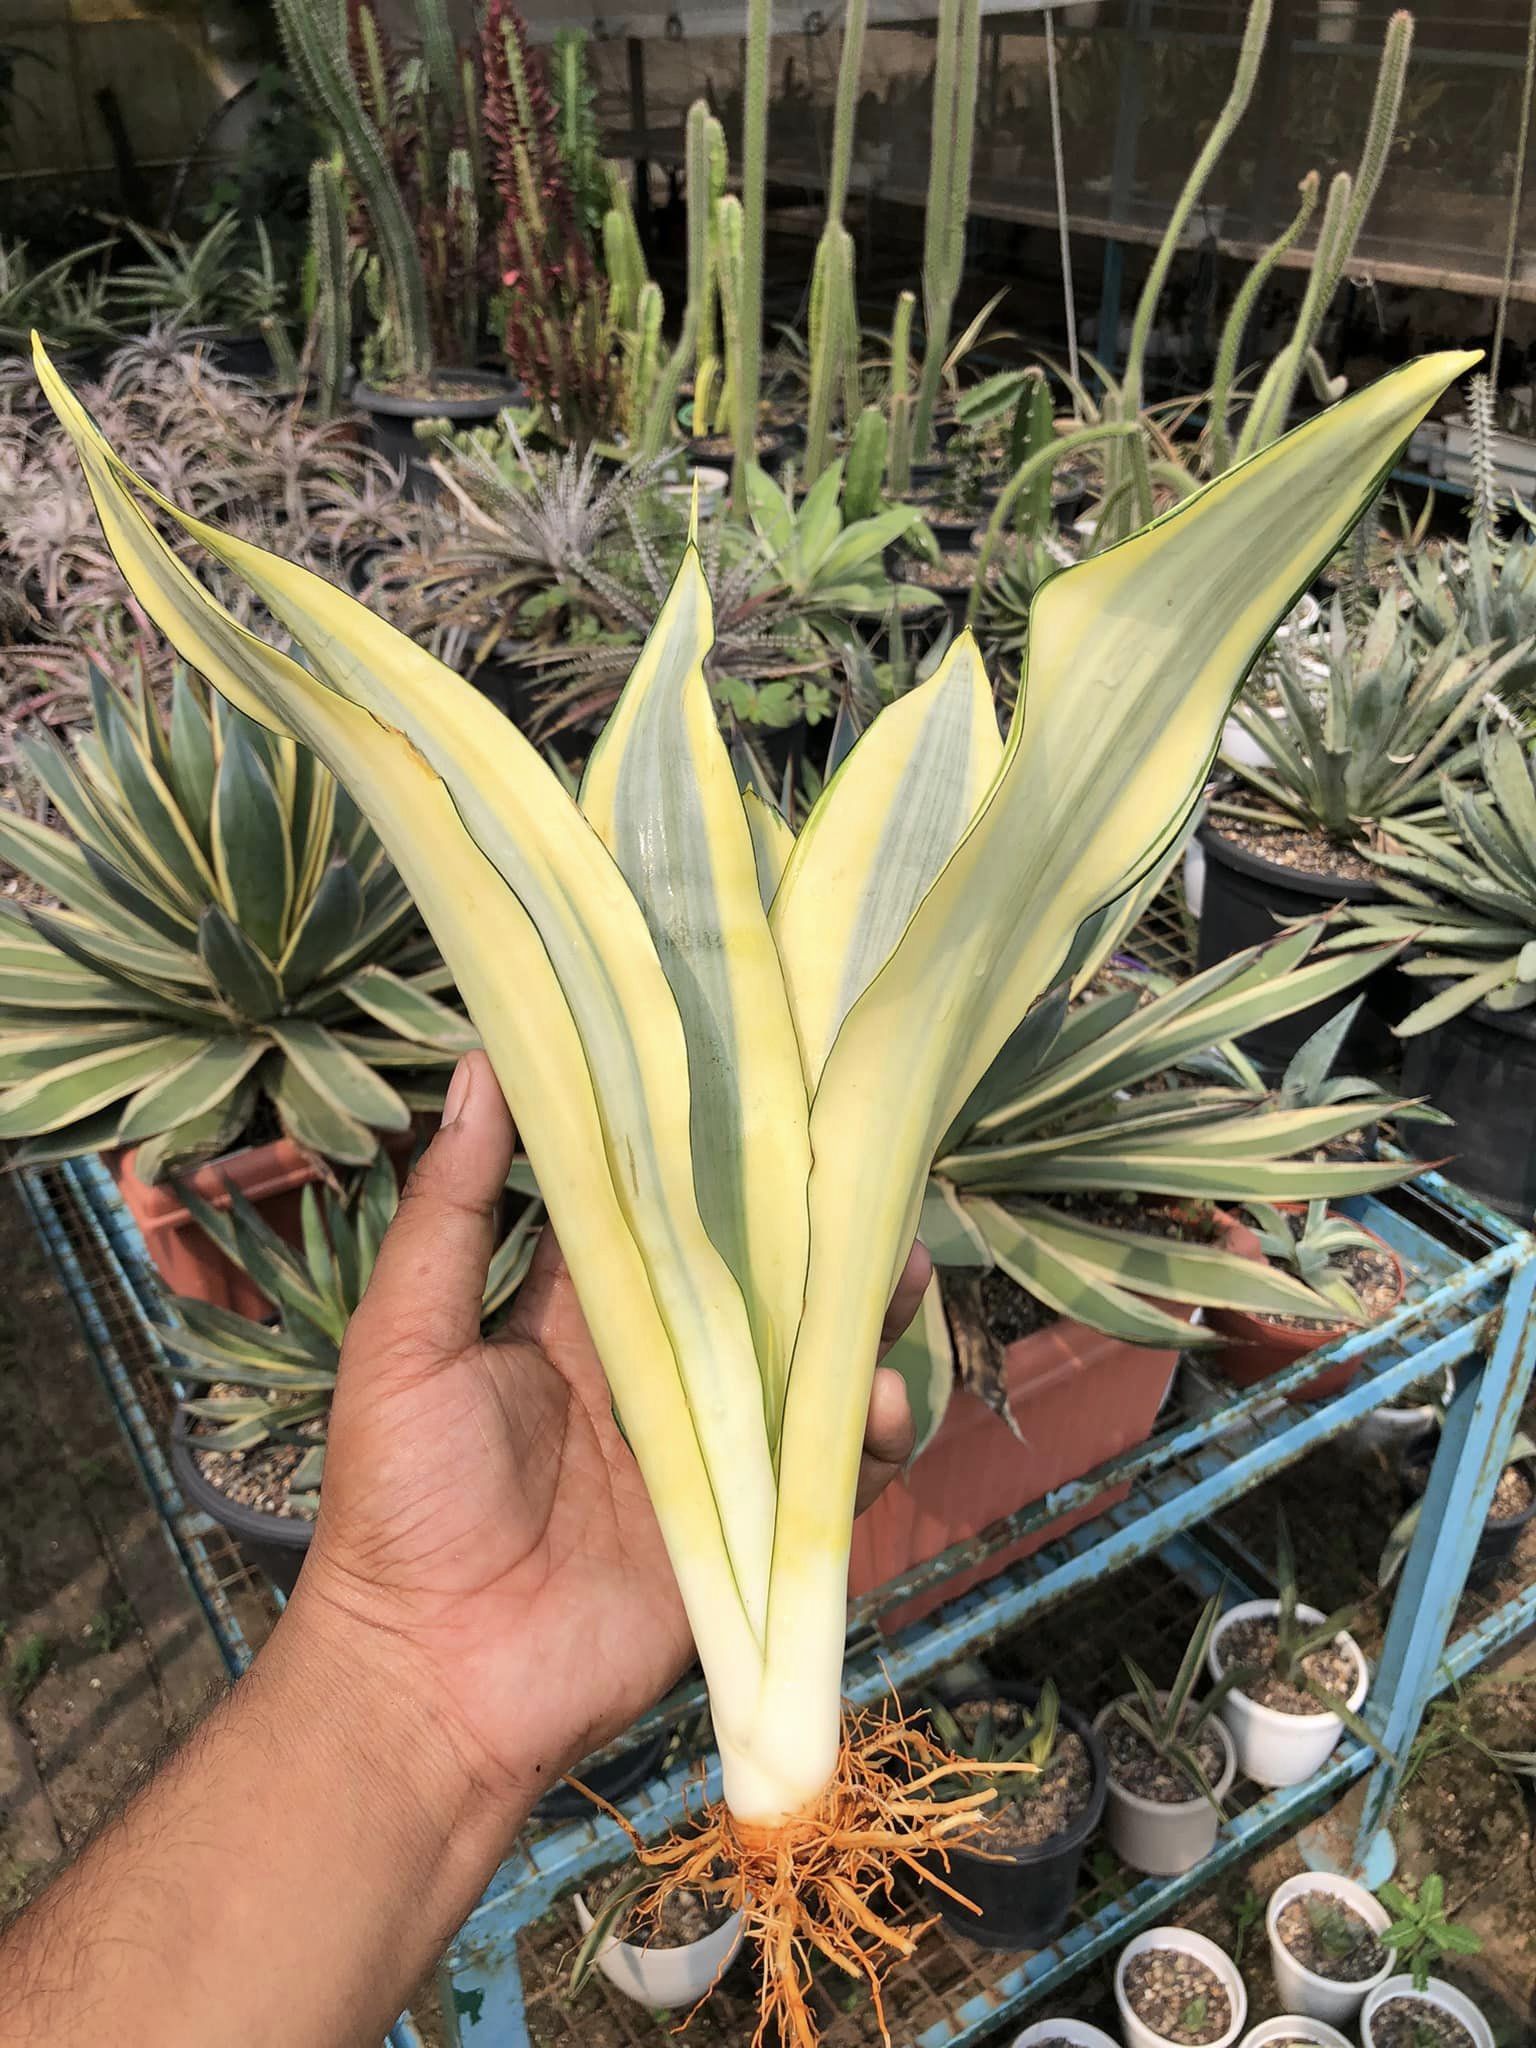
<point>665,1976</point>
<point>1445,1996</point>
<point>1078,2032</point>
<point>1294,2026</point>
<point>1275,1748</point>
<point>1162,1840</point>
<point>1186,1942</point>
<point>1301,1989</point>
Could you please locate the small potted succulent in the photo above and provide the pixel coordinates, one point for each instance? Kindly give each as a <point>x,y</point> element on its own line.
<point>1171,1763</point>
<point>1294,2030</point>
<point>249,1450</point>
<point>1511,1510</point>
<point>1325,1938</point>
<point>1019,1866</point>
<point>1414,2009</point>
<point>1350,1267</point>
<point>1176,1989</point>
<point>665,1957</point>
<point>1302,1679</point>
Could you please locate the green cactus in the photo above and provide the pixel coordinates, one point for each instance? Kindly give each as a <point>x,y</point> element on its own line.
<point>314,34</point>
<point>576,129</point>
<point>623,257</point>
<point>834,323</point>
<point>956,75</point>
<point>747,370</point>
<point>331,257</point>
<point>1237,322</point>
<point>864,478</point>
<point>730,262</point>
<point>901,393</point>
<point>698,312</point>
<point>1034,430</point>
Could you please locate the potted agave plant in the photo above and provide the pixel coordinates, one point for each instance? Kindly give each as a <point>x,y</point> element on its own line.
<point>250,1449</point>
<point>663,1952</point>
<point>1016,1871</point>
<point>1299,1679</point>
<point>1349,1267</point>
<point>1509,1514</point>
<point>235,979</point>
<point>1171,1763</point>
<point>1298,834</point>
<point>1066,1275</point>
<point>892,986</point>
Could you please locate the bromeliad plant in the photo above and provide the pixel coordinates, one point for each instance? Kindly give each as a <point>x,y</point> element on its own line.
<point>732,1054</point>
<point>228,929</point>
<point>274,1382</point>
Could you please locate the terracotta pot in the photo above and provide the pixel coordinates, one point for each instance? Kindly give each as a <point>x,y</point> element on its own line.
<point>272,1176</point>
<point>1259,1347</point>
<point>1077,1396</point>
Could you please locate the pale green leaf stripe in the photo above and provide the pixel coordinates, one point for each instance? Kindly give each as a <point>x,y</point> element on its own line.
<point>660,793</point>
<point>252,853</point>
<point>222,1325</point>
<point>491,942</point>
<point>49,858</point>
<point>1134,658</point>
<point>24,1053</point>
<point>201,1082</point>
<point>406,1010</point>
<point>313,1120</point>
<point>948,1230</point>
<point>886,824</point>
<point>1204,1273</point>
<point>925,1357</point>
<point>81,1086</point>
<point>148,962</point>
<point>1075,1286</point>
<point>772,843</point>
<point>347,1083</point>
<point>1225,1180</point>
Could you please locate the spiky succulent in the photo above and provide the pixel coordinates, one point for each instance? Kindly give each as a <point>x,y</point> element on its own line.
<point>1170,1722</point>
<point>1311,1253</point>
<point>274,1381</point>
<point>1022,1736</point>
<point>193,283</point>
<point>227,930</point>
<point>1486,592</point>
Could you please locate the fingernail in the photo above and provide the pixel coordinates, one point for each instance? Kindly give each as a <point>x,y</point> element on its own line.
<point>458,1093</point>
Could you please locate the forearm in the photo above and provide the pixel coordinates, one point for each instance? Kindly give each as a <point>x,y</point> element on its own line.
<point>287,1879</point>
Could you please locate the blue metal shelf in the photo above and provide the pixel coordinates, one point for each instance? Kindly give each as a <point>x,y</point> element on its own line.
<point>1468,1307</point>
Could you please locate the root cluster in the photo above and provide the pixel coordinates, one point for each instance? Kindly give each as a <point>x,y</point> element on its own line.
<point>823,1883</point>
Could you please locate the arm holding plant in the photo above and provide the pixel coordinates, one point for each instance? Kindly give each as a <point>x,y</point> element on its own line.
<point>487,1600</point>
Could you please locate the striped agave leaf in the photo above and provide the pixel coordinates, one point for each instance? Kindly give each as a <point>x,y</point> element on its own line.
<point>227,927</point>
<point>667,1046</point>
<point>1135,1091</point>
<point>274,1381</point>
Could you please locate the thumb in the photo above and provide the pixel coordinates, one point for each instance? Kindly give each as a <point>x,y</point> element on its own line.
<point>423,1301</point>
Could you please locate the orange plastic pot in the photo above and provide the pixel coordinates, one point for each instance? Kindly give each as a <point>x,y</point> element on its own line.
<point>1077,1396</point>
<point>1259,1347</point>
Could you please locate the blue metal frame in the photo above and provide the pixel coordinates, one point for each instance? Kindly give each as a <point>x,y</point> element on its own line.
<point>1475,1315</point>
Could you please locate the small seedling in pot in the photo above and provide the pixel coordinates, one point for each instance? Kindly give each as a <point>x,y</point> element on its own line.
<point>1171,1722</point>
<point>1027,1748</point>
<point>1195,2014</point>
<point>1310,1256</point>
<point>1420,1932</point>
<point>1339,1934</point>
<point>1249,1913</point>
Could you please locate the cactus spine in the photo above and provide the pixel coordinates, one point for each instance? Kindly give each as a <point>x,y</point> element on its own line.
<point>834,324</point>
<point>956,73</point>
<point>749,295</point>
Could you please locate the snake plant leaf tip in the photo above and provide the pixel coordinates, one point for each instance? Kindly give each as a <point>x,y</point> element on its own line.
<point>732,1109</point>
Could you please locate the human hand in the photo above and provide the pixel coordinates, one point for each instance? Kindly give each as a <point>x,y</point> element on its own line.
<point>483,1521</point>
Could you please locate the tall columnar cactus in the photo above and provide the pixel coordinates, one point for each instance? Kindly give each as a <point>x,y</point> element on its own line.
<point>956,72</point>
<point>576,127</point>
<point>1241,312</point>
<point>864,478</point>
<point>834,327</point>
<point>730,264</point>
<point>314,34</point>
<point>709,352</point>
<point>332,258</point>
<point>705,147</point>
<point>749,296</point>
<point>1348,203</point>
<point>901,392</point>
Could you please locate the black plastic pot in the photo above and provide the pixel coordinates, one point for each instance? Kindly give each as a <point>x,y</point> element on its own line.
<point>1496,1545</point>
<point>241,355</point>
<point>1246,899</point>
<point>613,1781</point>
<point>392,417</point>
<point>1480,1068</point>
<point>1025,1898</point>
<point>275,1544</point>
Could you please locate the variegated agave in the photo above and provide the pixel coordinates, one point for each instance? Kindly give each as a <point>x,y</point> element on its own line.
<point>228,930</point>
<point>272,1382</point>
<point>732,1053</point>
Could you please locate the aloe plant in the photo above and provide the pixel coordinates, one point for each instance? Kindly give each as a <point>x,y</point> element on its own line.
<point>1486,594</point>
<point>273,1381</point>
<point>228,932</point>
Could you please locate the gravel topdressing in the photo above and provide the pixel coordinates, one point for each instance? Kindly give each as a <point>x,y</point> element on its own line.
<point>1178,1997</point>
<point>1331,1939</point>
<point>1253,1642</point>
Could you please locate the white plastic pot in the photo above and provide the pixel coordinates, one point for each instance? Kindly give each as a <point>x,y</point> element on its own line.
<point>1294,2026</point>
<point>1162,1840</point>
<point>1185,1942</point>
<point>1275,1748</point>
<point>665,1976</point>
<point>1436,1993</point>
<point>1078,2032</point>
<point>1301,1989</point>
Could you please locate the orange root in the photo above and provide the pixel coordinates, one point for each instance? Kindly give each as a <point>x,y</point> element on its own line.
<point>824,1881</point>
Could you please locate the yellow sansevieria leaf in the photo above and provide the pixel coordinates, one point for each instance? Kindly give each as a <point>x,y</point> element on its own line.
<point>732,1111</point>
